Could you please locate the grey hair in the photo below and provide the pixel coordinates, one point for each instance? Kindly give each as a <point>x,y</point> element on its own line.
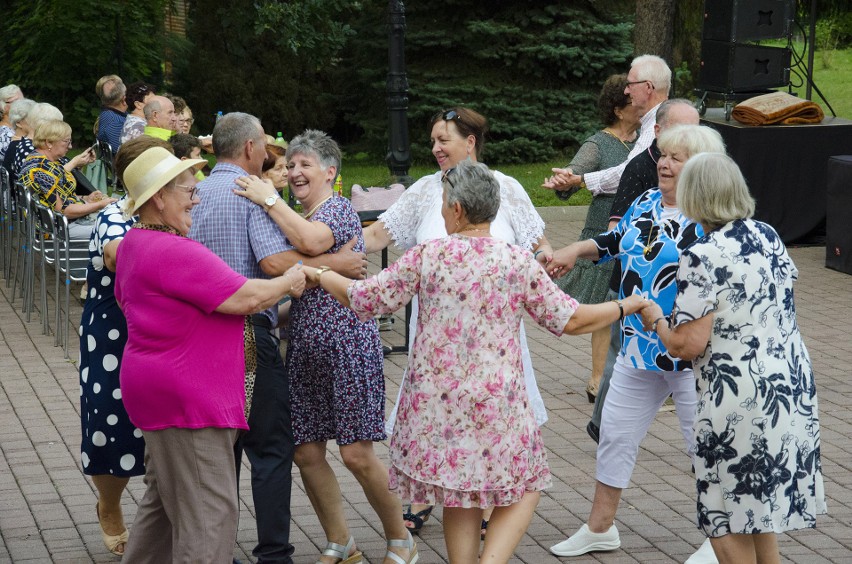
<point>113,96</point>
<point>654,69</point>
<point>232,131</point>
<point>473,186</point>
<point>19,110</point>
<point>7,92</point>
<point>42,112</point>
<point>712,191</point>
<point>691,139</point>
<point>666,107</point>
<point>320,145</point>
<point>150,108</point>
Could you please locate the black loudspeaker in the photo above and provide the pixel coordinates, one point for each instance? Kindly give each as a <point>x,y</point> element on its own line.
<point>734,67</point>
<point>838,229</point>
<point>739,21</point>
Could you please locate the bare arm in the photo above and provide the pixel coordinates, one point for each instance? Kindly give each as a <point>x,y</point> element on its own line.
<point>345,261</point>
<point>564,259</point>
<point>331,282</point>
<point>310,237</point>
<point>543,251</point>
<point>74,211</point>
<point>589,318</point>
<point>257,295</point>
<point>376,237</point>
<point>687,340</point>
<point>109,254</point>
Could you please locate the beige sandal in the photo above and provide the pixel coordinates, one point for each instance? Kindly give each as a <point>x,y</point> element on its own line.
<point>112,542</point>
<point>342,552</point>
<point>408,544</point>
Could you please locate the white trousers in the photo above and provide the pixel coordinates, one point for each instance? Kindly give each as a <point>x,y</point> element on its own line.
<point>635,396</point>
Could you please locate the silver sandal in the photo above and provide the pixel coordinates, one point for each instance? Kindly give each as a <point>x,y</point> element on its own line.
<point>408,544</point>
<point>342,552</point>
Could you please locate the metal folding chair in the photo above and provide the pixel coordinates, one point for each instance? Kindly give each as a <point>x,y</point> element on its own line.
<point>24,263</point>
<point>44,244</point>
<point>5,217</point>
<point>105,153</point>
<point>71,264</point>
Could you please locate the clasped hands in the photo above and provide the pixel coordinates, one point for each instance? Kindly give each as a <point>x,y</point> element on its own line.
<point>562,179</point>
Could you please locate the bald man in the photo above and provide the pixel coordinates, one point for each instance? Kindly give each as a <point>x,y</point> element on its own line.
<point>161,118</point>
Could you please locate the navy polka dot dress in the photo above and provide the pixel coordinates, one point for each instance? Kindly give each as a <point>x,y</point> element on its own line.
<point>111,444</point>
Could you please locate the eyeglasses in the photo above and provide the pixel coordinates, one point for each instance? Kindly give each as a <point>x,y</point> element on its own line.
<point>445,177</point>
<point>193,190</point>
<point>66,141</point>
<point>632,82</point>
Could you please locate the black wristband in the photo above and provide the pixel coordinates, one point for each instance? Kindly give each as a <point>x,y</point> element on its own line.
<point>620,309</point>
<point>654,324</point>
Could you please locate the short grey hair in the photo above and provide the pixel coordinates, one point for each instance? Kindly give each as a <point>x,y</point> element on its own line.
<point>19,110</point>
<point>712,191</point>
<point>5,93</point>
<point>655,70</point>
<point>473,186</point>
<point>150,108</point>
<point>42,112</point>
<point>666,107</point>
<point>691,140</point>
<point>232,131</point>
<point>110,96</point>
<point>318,144</point>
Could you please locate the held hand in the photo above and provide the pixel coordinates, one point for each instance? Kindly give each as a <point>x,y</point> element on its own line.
<point>649,314</point>
<point>562,179</point>
<point>562,262</point>
<point>311,278</point>
<point>544,255</point>
<point>356,263</point>
<point>295,275</point>
<point>254,188</point>
<point>634,304</point>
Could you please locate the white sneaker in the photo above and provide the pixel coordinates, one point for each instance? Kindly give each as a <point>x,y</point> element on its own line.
<point>584,541</point>
<point>704,555</point>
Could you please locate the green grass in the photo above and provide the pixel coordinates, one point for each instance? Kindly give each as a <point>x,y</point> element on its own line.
<point>530,176</point>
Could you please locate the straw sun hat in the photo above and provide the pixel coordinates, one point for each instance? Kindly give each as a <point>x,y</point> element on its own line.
<point>150,172</point>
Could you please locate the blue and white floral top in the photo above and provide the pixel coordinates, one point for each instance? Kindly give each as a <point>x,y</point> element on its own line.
<point>648,240</point>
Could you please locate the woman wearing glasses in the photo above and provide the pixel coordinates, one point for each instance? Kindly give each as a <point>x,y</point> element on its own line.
<point>458,134</point>
<point>48,175</point>
<point>137,96</point>
<point>184,365</point>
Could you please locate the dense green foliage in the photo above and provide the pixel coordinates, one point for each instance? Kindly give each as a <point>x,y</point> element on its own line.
<point>533,69</point>
<point>56,51</point>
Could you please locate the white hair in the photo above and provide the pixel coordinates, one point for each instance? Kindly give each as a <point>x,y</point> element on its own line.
<point>655,70</point>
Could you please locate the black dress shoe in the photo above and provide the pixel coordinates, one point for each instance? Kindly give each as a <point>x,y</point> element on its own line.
<point>593,432</point>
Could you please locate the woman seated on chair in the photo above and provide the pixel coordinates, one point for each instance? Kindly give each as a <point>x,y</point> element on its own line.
<point>48,176</point>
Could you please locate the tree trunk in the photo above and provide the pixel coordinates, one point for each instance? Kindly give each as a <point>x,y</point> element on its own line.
<point>654,28</point>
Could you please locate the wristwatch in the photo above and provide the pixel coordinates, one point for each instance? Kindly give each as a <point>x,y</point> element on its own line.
<point>582,182</point>
<point>270,201</point>
<point>321,270</point>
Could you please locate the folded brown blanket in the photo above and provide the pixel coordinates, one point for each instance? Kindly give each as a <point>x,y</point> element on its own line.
<point>777,108</point>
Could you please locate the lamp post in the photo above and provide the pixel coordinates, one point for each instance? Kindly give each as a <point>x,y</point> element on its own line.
<point>399,155</point>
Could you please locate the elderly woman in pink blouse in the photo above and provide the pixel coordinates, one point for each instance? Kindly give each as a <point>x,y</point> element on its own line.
<point>465,436</point>
<point>183,369</point>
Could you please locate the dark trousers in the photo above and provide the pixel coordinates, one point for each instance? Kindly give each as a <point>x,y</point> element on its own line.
<point>269,446</point>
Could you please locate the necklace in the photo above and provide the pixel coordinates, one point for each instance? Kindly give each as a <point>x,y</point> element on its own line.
<point>652,238</point>
<point>316,207</point>
<point>609,131</point>
<point>469,229</point>
<point>157,227</point>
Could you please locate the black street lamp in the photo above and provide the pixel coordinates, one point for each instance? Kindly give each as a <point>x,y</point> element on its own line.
<point>399,154</point>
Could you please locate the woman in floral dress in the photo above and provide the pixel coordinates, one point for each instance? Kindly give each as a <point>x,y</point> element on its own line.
<point>466,437</point>
<point>757,432</point>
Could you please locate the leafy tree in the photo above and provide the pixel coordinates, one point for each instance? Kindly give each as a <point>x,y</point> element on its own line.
<point>56,51</point>
<point>534,68</point>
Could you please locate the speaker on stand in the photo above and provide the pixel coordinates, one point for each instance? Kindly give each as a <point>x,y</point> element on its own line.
<point>734,69</point>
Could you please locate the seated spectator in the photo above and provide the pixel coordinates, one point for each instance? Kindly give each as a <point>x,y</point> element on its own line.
<point>185,120</point>
<point>188,147</point>
<point>17,117</point>
<point>48,175</point>
<point>8,94</point>
<point>38,114</point>
<point>111,91</point>
<point>138,94</point>
<point>160,115</point>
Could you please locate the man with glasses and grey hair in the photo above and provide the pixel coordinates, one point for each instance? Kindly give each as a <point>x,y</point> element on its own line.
<point>648,85</point>
<point>246,238</point>
<point>111,91</point>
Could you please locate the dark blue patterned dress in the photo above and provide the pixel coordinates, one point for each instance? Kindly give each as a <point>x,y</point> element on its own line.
<point>756,428</point>
<point>334,361</point>
<point>111,444</point>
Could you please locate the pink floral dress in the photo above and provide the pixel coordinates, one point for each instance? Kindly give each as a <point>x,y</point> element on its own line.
<point>465,434</point>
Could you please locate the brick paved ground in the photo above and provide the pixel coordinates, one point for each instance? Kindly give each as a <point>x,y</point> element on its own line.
<point>47,505</point>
